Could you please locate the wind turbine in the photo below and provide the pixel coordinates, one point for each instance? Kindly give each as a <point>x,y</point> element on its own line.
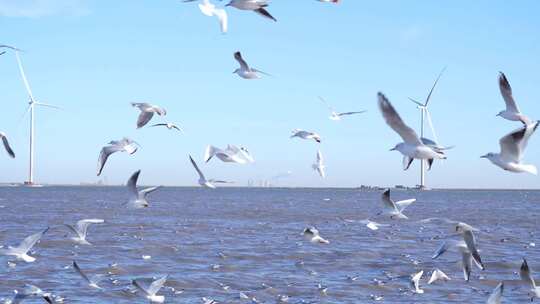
<point>31,105</point>
<point>424,113</point>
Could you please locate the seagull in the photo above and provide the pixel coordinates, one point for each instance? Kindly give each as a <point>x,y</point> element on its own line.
<point>512,149</point>
<point>415,282</point>
<point>123,145</point>
<point>151,291</point>
<point>202,180</point>
<point>470,241</point>
<point>312,234</point>
<point>81,228</point>
<point>412,147</point>
<point>512,111</point>
<point>496,294</point>
<point>21,252</point>
<point>168,125</point>
<point>232,154</point>
<point>92,282</point>
<point>9,151</point>
<point>306,135</point>
<point>395,209</point>
<point>526,276</point>
<point>147,112</point>
<point>319,165</point>
<point>137,199</point>
<point>329,1</point>
<point>30,291</point>
<point>210,10</point>
<point>436,275</point>
<point>372,225</point>
<point>466,255</point>
<point>258,6</point>
<point>245,71</point>
<point>337,116</point>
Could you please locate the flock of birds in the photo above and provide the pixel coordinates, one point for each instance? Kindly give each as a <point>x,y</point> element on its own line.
<point>512,147</point>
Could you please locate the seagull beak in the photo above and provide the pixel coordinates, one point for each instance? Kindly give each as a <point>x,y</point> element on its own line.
<point>393,149</point>
<point>483,156</point>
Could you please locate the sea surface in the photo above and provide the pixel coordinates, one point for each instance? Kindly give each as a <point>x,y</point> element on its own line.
<point>218,243</point>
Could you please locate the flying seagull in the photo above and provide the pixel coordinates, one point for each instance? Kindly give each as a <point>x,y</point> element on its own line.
<point>210,10</point>
<point>306,135</point>
<point>395,209</point>
<point>512,150</point>
<point>80,229</point>
<point>202,179</point>
<point>412,147</point>
<point>466,255</point>
<point>30,291</point>
<point>92,281</point>
<point>152,290</point>
<point>312,235</point>
<point>496,294</point>
<point>137,199</point>
<point>329,1</point>
<point>232,154</point>
<point>415,282</point>
<point>168,125</point>
<point>319,165</point>
<point>123,145</point>
<point>258,6</point>
<point>337,116</point>
<point>245,71</point>
<point>21,252</point>
<point>436,275</point>
<point>9,151</point>
<point>470,241</point>
<point>512,111</point>
<point>527,278</point>
<point>147,112</point>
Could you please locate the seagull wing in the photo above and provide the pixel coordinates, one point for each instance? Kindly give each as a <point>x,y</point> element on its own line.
<point>139,287</point>
<point>395,122</point>
<point>496,295</point>
<point>506,92</point>
<point>144,118</point>
<point>156,285</point>
<point>30,241</point>
<point>241,61</point>
<point>526,275</point>
<point>82,225</point>
<point>132,184</point>
<point>351,113</point>
<point>263,12</point>
<point>7,146</point>
<point>513,144</point>
<point>80,272</point>
<point>104,155</point>
<point>468,237</point>
<point>387,201</point>
<point>402,205</point>
<point>201,175</point>
<point>223,18</point>
<point>147,191</point>
<point>159,125</point>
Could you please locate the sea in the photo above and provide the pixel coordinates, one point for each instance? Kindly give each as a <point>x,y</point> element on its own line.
<point>245,245</point>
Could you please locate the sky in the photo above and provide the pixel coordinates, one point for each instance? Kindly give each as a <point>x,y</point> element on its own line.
<point>94,57</point>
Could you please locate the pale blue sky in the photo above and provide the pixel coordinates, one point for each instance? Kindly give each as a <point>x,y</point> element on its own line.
<point>94,57</point>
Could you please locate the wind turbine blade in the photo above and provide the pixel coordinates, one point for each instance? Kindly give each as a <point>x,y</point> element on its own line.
<point>430,122</point>
<point>23,75</point>
<point>48,105</point>
<point>433,87</point>
<point>416,102</point>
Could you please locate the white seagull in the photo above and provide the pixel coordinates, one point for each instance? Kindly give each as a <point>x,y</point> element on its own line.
<point>415,282</point>
<point>9,151</point>
<point>329,1</point>
<point>232,154</point>
<point>123,145</point>
<point>147,112</point>
<point>21,252</point>
<point>526,277</point>
<point>245,71</point>
<point>319,165</point>
<point>337,116</point>
<point>395,209</point>
<point>496,294</point>
<point>92,281</point>
<point>512,111</point>
<point>258,6</point>
<point>137,199</point>
<point>466,255</point>
<point>512,150</point>
<point>210,10</point>
<point>202,179</point>
<point>168,125</point>
<point>436,275</point>
<point>468,236</point>
<point>150,292</point>
<point>372,225</point>
<point>30,291</point>
<point>412,147</point>
<point>306,135</point>
<point>80,229</point>
<point>312,235</point>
